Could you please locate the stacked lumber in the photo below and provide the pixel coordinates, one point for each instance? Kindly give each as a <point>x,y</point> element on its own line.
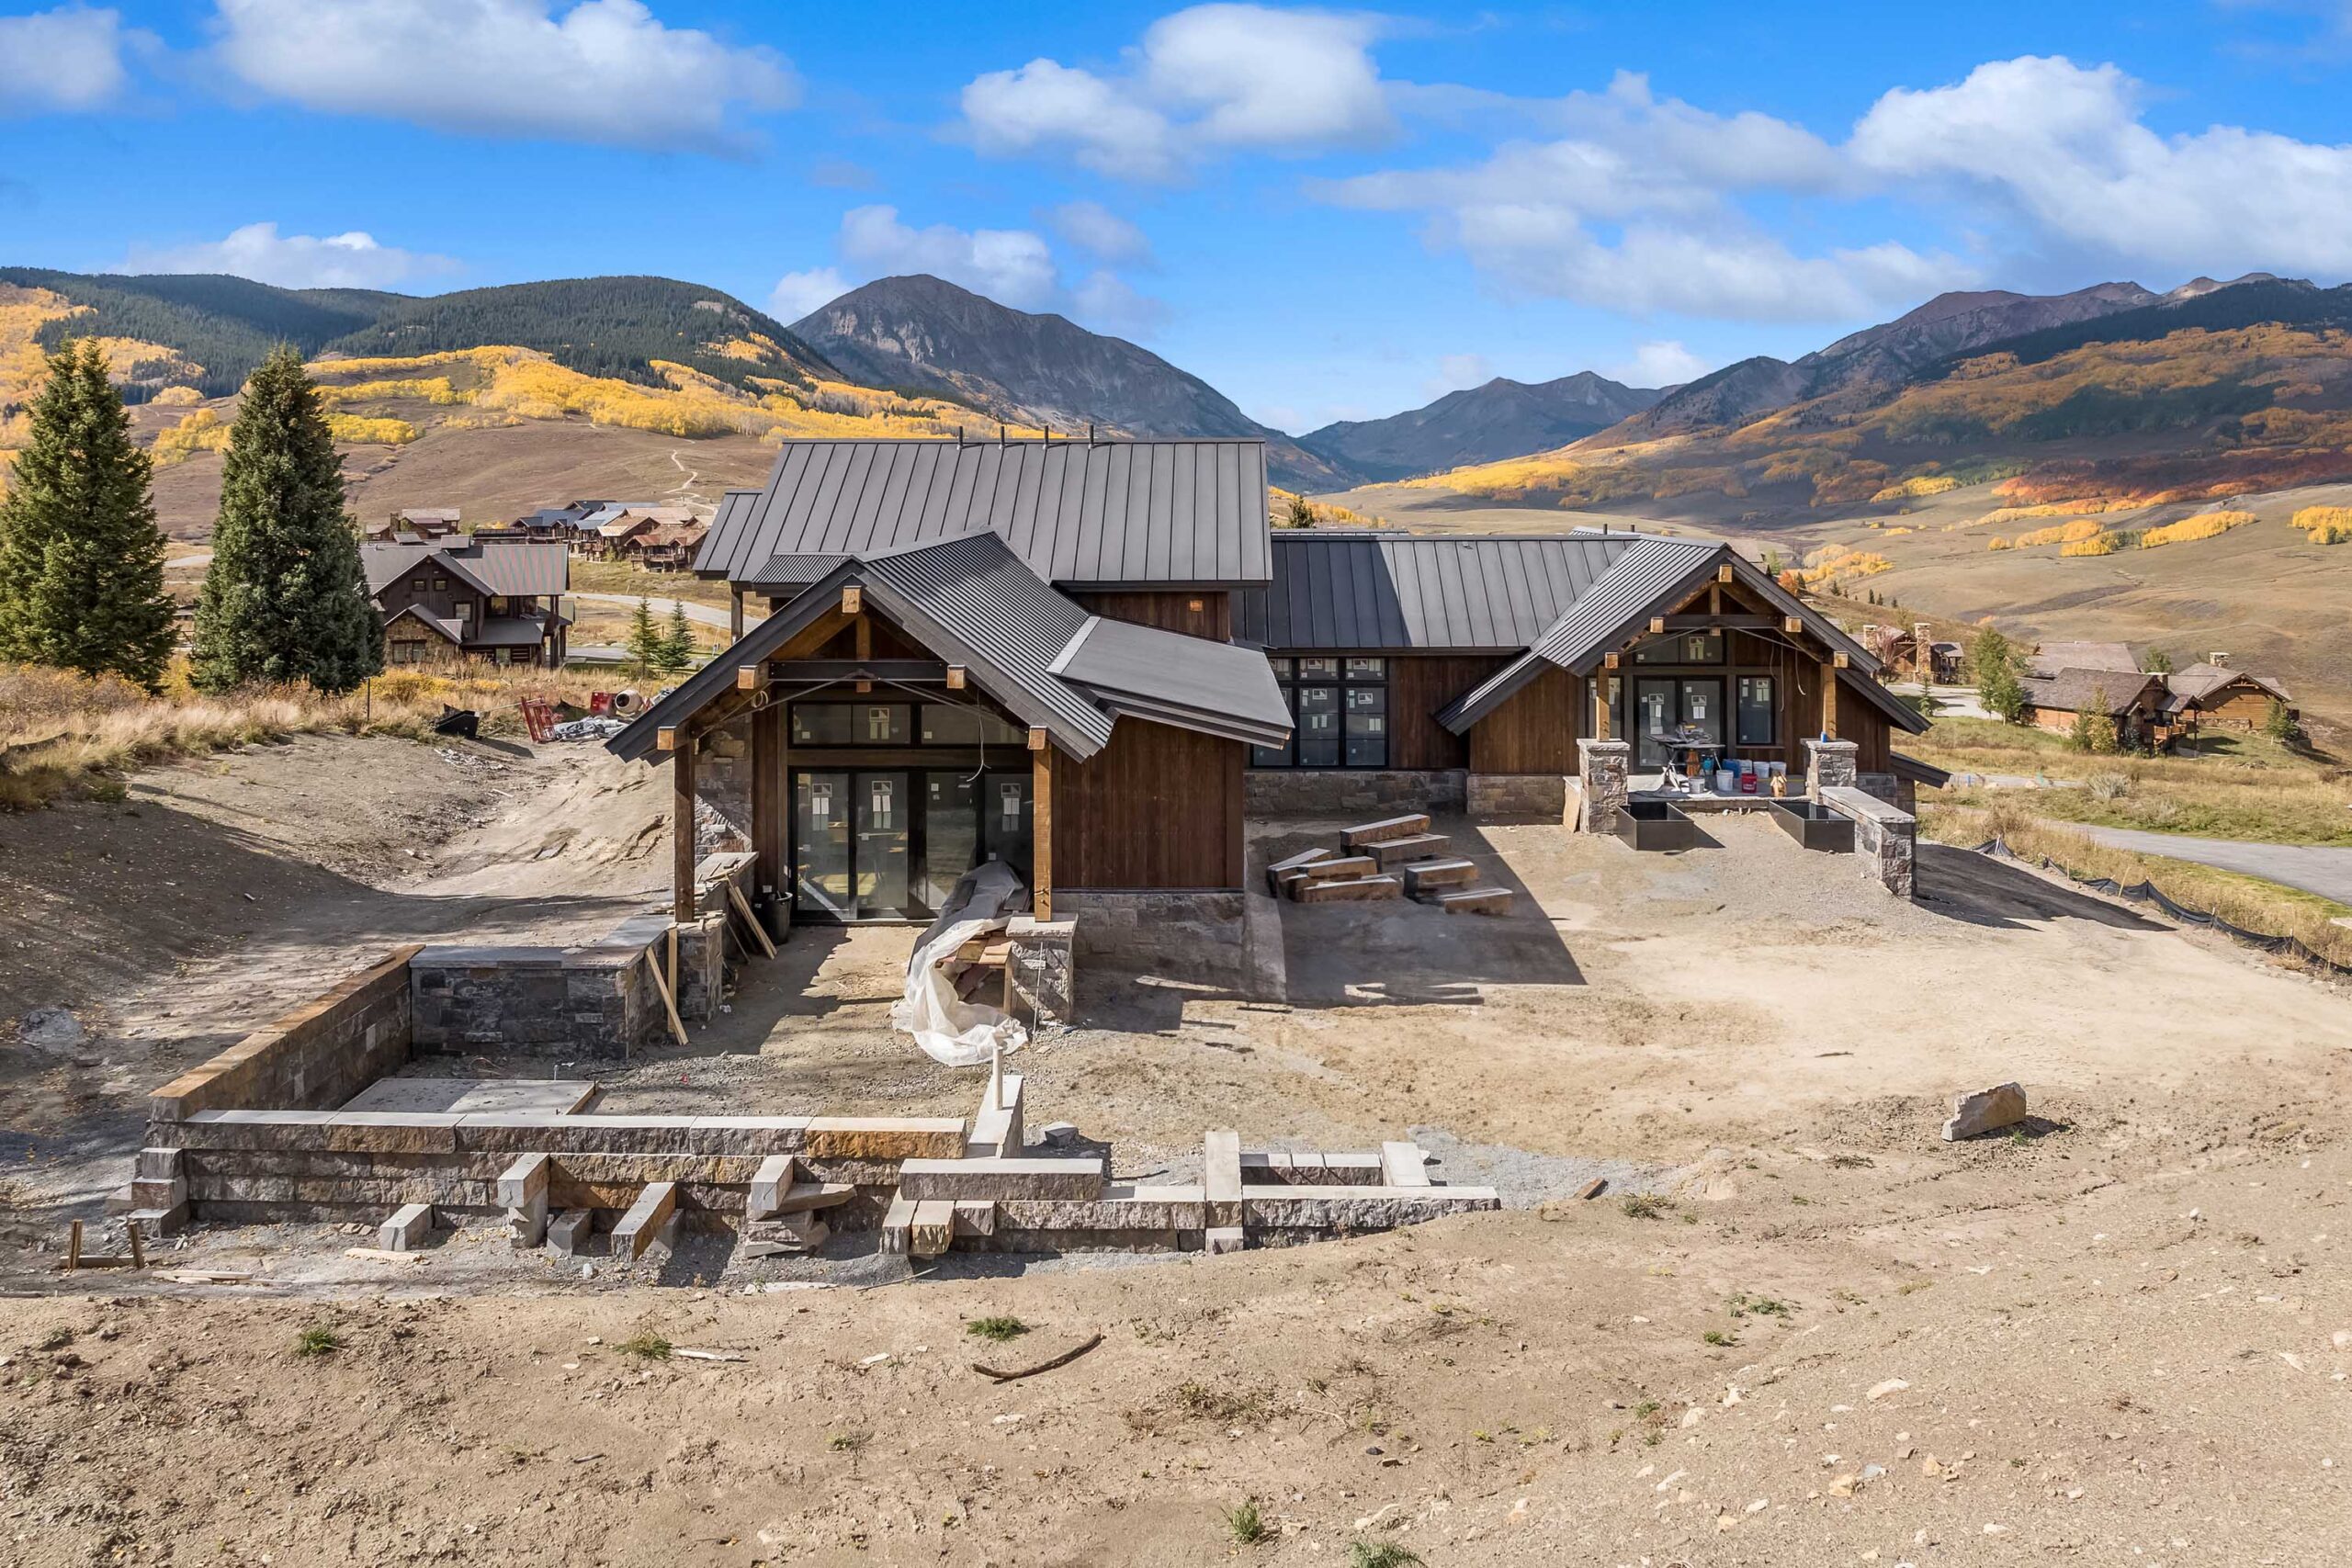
<point>1397,857</point>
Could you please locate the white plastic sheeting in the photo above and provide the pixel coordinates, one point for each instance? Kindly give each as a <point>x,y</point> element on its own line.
<point>951,1031</point>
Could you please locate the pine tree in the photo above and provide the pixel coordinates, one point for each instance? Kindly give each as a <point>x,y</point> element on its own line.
<point>677,642</point>
<point>286,598</point>
<point>644,642</point>
<point>2158,663</point>
<point>2094,727</point>
<point>1998,686</point>
<point>81,559</point>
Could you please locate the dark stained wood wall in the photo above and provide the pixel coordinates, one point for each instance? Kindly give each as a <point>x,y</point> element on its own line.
<point>1169,611</point>
<point>1535,731</point>
<point>1418,688</point>
<point>1159,808</point>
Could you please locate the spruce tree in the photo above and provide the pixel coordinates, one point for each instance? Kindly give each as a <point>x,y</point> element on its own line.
<point>286,598</point>
<point>644,643</point>
<point>677,642</point>
<point>81,559</point>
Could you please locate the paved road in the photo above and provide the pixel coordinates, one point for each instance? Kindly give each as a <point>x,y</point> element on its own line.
<point>704,614</point>
<point>2313,868</point>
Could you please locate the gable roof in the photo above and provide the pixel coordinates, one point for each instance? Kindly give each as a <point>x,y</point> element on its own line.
<point>2201,680</point>
<point>1083,512</point>
<point>520,569</point>
<point>1651,571</point>
<point>2111,692</point>
<point>972,601</point>
<point>453,630</point>
<point>2048,659</point>
<point>1427,593</point>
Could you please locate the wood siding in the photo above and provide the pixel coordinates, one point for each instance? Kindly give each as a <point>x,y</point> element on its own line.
<point>1170,612</point>
<point>1535,731</point>
<point>1159,808</point>
<point>1418,688</point>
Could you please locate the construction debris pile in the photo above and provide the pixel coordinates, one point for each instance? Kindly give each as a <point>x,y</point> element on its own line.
<point>1398,858</point>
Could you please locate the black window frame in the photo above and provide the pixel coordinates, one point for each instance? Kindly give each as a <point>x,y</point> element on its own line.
<point>1739,709</point>
<point>1349,674</point>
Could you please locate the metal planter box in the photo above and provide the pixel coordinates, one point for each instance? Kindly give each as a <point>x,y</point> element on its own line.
<point>1815,826</point>
<point>1655,824</point>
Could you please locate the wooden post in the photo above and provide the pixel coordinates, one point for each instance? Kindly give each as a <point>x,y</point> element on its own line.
<point>735,617</point>
<point>1601,706</point>
<point>1829,699</point>
<point>682,830</point>
<point>1041,825</point>
<point>770,788</point>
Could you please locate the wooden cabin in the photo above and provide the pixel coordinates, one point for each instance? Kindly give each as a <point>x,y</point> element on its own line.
<point>493,602</point>
<point>2133,699</point>
<point>2216,694</point>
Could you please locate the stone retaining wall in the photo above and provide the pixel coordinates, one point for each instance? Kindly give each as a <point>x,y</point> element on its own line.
<point>1340,792</point>
<point>318,1055</point>
<point>1191,936</point>
<point>1884,837</point>
<point>1541,795</point>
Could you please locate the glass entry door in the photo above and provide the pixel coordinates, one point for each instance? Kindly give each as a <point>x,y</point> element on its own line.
<point>1665,703</point>
<point>888,844</point>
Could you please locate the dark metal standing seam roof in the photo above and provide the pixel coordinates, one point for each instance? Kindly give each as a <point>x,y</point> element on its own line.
<point>1371,592</point>
<point>522,570</point>
<point>1170,678</point>
<point>1084,512</point>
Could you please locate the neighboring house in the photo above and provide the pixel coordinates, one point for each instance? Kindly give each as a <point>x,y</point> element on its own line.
<point>2214,693</point>
<point>427,521</point>
<point>1093,659</point>
<point>1946,661</point>
<point>664,546</point>
<point>607,531</point>
<point>496,602</point>
<point>2049,658</point>
<point>2135,701</point>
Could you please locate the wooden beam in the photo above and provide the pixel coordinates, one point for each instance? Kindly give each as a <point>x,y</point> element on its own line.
<point>1041,825</point>
<point>1601,704</point>
<point>770,783</point>
<point>1657,625</point>
<point>864,635</point>
<point>853,601</point>
<point>1711,622</point>
<point>1841,662</point>
<point>750,677</point>
<point>954,677</point>
<point>1723,572</point>
<point>1037,738</point>
<point>1608,662</point>
<point>1829,699</point>
<point>666,737</point>
<point>1792,625</point>
<point>682,833</point>
<point>735,614</point>
<point>827,672</point>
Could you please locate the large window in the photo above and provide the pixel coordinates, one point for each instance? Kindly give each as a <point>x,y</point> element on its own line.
<point>1680,647</point>
<point>1756,719</point>
<point>873,724</point>
<point>1338,712</point>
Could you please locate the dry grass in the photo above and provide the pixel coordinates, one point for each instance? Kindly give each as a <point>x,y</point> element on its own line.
<point>2247,902</point>
<point>589,576</point>
<point>2241,786</point>
<point>62,734</point>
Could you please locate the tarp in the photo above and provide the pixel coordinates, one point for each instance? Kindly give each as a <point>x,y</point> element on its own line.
<point>2149,893</point>
<point>952,1032</point>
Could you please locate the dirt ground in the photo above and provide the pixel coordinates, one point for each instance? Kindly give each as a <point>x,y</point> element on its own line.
<point>2120,1338</point>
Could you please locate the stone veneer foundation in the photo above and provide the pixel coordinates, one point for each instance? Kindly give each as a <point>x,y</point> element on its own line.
<point>1346,792</point>
<point>1540,796</point>
<point>1605,768</point>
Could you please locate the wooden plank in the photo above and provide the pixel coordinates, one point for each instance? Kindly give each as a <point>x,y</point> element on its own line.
<point>743,907</point>
<point>1041,825</point>
<point>1829,701</point>
<point>682,834</point>
<point>669,1003</point>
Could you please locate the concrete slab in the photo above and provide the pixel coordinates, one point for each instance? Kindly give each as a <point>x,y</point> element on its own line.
<point>465,1097</point>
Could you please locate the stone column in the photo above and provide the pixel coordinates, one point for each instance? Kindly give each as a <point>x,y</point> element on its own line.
<point>1829,765</point>
<point>1044,967</point>
<point>1885,839</point>
<point>1607,766</point>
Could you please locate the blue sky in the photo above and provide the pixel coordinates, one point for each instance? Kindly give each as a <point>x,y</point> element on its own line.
<point>1326,213</point>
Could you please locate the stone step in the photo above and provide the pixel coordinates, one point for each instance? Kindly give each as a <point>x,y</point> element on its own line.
<point>1291,868</point>
<point>1420,847</point>
<point>1381,832</point>
<point>785,1233</point>
<point>1429,876</point>
<point>1339,867</point>
<point>1358,889</point>
<point>1476,901</point>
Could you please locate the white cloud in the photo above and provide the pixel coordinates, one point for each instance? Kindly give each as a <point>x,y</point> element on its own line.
<point>1011,266</point>
<point>1205,79</point>
<point>599,70</point>
<point>1663,363</point>
<point>70,58</point>
<point>798,293</point>
<point>1097,230</point>
<point>1456,371</point>
<point>2062,148</point>
<point>293,261</point>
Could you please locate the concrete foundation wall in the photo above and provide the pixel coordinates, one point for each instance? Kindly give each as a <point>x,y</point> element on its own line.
<point>1541,795</point>
<point>318,1055</point>
<point>1190,936</point>
<point>1337,792</point>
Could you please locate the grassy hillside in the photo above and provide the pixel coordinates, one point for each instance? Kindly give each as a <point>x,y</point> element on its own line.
<point>206,332</point>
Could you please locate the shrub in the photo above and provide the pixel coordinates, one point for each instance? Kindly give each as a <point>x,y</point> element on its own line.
<point>2108,786</point>
<point>2097,545</point>
<point>1380,1554</point>
<point>2204,526</point>
<point>647,1346</point>
<point>1246,1523</point>
<point>2326,524</point>
<point>316,1340</point>
<point>2093,728</point>
<point>998,1329</point>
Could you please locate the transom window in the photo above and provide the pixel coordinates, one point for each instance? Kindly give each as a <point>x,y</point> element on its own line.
<point>1338,706</point>
<point>899,723</point>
